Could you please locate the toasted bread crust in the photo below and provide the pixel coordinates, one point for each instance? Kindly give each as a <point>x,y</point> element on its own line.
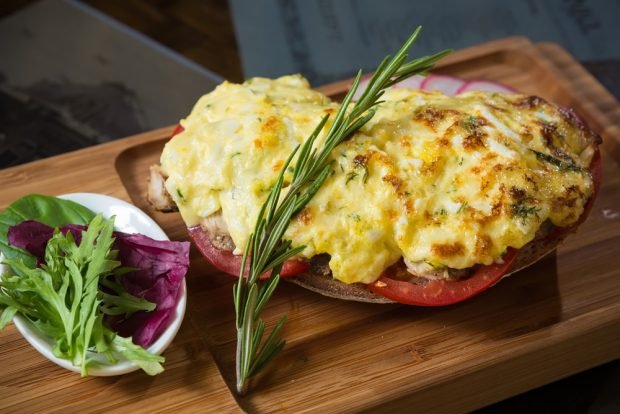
<point>325,285</point>
<point>332,288</point>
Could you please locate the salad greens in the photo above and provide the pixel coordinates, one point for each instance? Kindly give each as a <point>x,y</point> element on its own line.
<point>89,289</point>
<point>153,271</point>
<point>63,300</point>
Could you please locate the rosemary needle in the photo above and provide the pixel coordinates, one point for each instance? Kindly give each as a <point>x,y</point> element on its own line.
<point>268,250</point>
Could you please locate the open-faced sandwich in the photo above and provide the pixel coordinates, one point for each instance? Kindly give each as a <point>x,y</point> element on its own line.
<point>432,201</point>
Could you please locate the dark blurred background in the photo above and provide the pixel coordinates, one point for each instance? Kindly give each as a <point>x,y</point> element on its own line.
<point>75,73</point>
<point>78,73</point>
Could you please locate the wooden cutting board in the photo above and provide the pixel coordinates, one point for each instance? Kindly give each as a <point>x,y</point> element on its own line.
<point>556,318</point>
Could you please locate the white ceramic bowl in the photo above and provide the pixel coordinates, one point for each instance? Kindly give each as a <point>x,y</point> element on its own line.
<point>129,219</point>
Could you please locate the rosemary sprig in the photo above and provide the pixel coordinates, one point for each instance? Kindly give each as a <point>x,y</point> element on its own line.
<point>268,250</point>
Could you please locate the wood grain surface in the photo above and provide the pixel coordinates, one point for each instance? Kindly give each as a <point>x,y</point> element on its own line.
<point>558,317</point>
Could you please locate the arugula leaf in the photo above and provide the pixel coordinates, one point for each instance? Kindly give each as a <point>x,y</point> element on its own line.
<point>52,211</point>
<point>121,302</point>
<point>7,316</point>
<point>63,300</point>
<point>150,363</point>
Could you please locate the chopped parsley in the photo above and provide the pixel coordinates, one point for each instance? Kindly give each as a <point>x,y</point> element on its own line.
<point>181,196</point>
<point>470,123</point>
<point>355,216</point>
<point>351,176</point>
<point>523,211</point>
<point>431,264</point>
<point>563,165</point>
<point>360,162</point>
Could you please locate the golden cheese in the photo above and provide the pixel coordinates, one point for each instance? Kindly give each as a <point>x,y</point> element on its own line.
<point>443,181</point>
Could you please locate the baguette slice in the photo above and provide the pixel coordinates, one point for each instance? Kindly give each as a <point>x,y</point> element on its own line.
<point>546,241</point>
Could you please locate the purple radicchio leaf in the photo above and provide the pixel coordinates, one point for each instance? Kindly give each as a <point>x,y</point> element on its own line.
<point>32,236</point>
<point>161,267</point>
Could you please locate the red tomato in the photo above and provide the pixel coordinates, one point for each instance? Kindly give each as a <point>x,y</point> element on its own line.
<point>230,263</point>
<point>442,292</point>
<point>177,130</point>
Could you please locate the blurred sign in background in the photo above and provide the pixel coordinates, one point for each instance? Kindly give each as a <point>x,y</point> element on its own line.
<point>327,40</point>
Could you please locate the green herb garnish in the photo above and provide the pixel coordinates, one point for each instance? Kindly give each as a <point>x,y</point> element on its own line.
<point>563,165</point>
<point>355,216</point>
<point>268,250</point>
<point>523,211</point>
<point>360,162</point>
<point>351,176</point>
<point>470,123</point>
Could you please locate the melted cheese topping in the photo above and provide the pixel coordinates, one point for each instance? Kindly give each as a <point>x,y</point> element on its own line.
<point>446,181</point>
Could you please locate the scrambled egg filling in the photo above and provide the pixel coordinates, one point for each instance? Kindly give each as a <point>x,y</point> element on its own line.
<point>444,181</point>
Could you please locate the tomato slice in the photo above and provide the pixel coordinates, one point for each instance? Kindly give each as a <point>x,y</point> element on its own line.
<point>230,263</point>
<point>442,292</point>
